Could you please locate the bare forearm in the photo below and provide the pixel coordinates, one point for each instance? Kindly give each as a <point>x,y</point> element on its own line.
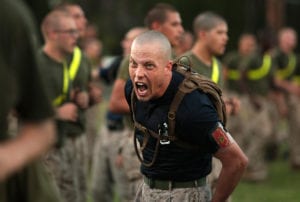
<point>117,102</point>
<point>234,163</point>
<point>32,142</point>
<point>228,180</point>
<point>119,106</point>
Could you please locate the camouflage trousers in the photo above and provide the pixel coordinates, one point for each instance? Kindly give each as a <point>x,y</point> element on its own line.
<point>106,174</point>
<point>31,184</point>
<point>294,128</point>
<point>68,167</point>
<point>197,194</point>
<point>92,130</point>
<point>255,137</point>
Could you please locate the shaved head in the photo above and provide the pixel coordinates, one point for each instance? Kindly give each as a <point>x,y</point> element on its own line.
<point>157,38</point>
<point>150,66</point>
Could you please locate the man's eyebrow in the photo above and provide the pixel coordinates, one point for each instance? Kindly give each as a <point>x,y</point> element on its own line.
<point>131,59</point>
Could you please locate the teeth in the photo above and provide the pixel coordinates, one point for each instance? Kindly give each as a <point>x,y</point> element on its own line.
<point>141,86</point>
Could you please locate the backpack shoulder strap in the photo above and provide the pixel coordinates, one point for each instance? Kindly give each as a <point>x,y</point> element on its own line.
<point>191,82</point>
<point>186,86</point>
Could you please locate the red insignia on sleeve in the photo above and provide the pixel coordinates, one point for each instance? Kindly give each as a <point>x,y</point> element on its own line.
<point>221,137</point>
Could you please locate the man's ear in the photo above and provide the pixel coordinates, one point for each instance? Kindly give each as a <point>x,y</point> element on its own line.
<point>52,34</point>
<point>169,65</point>
<point>155,26</point>
<point>201,34</point>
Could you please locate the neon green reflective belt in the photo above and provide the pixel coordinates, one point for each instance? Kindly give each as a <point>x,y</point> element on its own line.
<point>69,75</point>
<point>234,74</point>
<point>262,71</point>
<point>296,80</point>
<point>289,69</point>
<point>215,70</point>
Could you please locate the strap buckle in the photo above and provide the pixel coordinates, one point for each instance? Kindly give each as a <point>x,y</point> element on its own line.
<point>163,134</point>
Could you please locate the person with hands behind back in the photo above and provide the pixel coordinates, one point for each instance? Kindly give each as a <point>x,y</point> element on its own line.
<point>171,170</point>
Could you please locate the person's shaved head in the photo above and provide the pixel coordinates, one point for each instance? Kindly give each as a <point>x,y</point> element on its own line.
<point>157,38</point>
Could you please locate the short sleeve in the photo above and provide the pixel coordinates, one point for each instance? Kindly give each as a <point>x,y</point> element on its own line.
<point>32,102</point>
<point>128,89</point>
<point>197,121</point>
<point>123,72</point>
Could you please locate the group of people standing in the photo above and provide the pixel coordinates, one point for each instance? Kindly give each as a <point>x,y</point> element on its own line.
<point>266,85</point>
<point>142,151</point>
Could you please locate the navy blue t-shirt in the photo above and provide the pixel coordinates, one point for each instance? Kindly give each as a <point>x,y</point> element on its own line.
<point>196,119</point>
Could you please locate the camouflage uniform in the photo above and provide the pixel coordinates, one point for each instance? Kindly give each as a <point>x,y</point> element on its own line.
<point>111,145</point>
<point>288,69</point>
<point>67,162</point>
<point>257,76</point>
<point>294,127</point>
<point>199,194</point>
<point>237,123</point>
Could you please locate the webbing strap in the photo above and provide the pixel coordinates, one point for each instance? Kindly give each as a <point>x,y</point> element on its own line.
<point>172,112</point>
<point>289,69</point>
<point>215,70</point>
<point>145,133</point>
<point>191,82</point>
<point>74,66</point>
<point>182,90</point>
<point>66,82</point>
<point>262,71</point>
<point>69,74</point>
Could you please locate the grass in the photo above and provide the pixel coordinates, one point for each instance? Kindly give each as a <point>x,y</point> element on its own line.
<point>283,184</point>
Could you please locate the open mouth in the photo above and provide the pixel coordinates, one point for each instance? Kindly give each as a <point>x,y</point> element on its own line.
<point>141,88</point>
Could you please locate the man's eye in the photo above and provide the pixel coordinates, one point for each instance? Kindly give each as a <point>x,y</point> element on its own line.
<point>149,66</point>
<point>133,65</point>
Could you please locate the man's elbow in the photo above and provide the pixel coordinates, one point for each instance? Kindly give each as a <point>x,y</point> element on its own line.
<point>242,163</point>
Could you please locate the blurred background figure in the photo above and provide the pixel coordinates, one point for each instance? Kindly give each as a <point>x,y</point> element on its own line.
<point>114,141</point>
<point>84,81</point>
<point>22,176</point>
<point>233,63</point>
<point>247,45</point>
<point>250,78</point>
<point>288,92</point>
<point>60,74</point>
<point>92,47</point>
<point>211,33</point>
<point>166,19</point>
<point>186,43</point>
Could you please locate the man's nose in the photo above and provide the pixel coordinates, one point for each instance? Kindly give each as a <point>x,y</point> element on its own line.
<point>140,71</point>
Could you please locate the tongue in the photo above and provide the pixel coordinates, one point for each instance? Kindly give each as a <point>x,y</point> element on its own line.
<point>142,88</point>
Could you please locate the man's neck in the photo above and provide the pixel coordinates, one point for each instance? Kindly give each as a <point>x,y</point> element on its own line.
<point>53,53</point>
<point>201,52</point>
